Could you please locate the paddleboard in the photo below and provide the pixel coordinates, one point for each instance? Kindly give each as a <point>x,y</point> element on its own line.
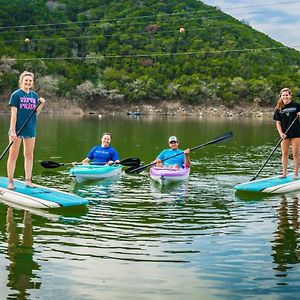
<point>39,196</point>
<point>270,185</point>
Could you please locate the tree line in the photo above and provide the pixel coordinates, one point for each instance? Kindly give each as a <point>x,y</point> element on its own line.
<point>99,52</point>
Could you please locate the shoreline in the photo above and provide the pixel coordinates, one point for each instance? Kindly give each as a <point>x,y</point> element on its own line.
<point>162,109</point>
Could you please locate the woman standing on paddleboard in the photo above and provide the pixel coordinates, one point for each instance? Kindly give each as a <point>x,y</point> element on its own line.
<point>288,127</point>
<point>25,106</point>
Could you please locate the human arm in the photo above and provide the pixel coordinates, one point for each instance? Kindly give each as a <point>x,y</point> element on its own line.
<point>187,160</point>
<point>279,129</point>
<point>159,159</point>
<point>13,122</point>
<point>115,158</point>
<point>85,161</point>
<point>42,102</point>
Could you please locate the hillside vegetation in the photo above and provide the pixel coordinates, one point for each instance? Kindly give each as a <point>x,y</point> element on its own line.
<point>106,51</point>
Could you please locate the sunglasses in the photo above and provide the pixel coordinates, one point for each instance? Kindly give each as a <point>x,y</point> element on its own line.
<point>173,142</point>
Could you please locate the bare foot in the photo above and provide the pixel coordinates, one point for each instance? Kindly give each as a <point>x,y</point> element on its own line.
<point>11,186</point>
<point>295,177</point>
<point>29,183</point>
<point>282,176</point>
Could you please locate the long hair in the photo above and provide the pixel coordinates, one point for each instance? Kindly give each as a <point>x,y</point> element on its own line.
<point>25,73</point>
<point>280,104</point>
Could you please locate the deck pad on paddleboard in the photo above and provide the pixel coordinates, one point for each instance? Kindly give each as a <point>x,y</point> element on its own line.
<point>271,185</point>
<point>39,196</point>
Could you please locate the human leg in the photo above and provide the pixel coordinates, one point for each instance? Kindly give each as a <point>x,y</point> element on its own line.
<point>295,149</point>
<point>28,144</point>
<point>285,146</point>
<point>11,161</point>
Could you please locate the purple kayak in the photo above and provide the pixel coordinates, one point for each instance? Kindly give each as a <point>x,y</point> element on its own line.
<point>167,175</point>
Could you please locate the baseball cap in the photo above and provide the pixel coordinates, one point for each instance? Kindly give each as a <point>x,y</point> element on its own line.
<point>173,138</point>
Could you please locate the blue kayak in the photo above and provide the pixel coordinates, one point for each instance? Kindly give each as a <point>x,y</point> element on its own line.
<point>270,185</point>
<point>81,173</point>
<point>38,196</point>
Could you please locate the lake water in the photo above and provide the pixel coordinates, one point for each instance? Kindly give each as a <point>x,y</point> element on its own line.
<point>135,240</point>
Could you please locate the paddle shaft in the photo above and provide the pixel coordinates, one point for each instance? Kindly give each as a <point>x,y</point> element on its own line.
<point>53,164</point>
<point>275,148</point>
<point>216,140</point>
<point>20,130</point>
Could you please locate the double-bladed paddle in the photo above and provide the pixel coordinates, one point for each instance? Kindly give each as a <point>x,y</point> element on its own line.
<point>130,162</point>
<point>275,148</point>
<point>219,139</point>
<point>20,130</point>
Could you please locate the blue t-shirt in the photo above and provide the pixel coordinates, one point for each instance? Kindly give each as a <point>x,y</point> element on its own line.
<point>102,155</point>
<point>25,104</point>
<point>177,160</point>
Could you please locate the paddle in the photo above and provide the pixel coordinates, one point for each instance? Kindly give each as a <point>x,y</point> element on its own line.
<point>20,130</point>
<point>275,148</point>
<point>222,138</point>
<point>130,162</point>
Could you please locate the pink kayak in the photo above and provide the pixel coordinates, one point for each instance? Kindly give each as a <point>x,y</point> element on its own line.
<point>166,175</point>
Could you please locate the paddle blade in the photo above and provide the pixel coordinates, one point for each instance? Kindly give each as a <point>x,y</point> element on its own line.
<point>48,164</point>
<point>222,138</point>
<point>131,162</point>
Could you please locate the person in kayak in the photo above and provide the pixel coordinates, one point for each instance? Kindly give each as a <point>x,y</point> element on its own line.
<point>23,102</point>
<point>178,161</point>
<point>102,154</point>
<point>286,111</point>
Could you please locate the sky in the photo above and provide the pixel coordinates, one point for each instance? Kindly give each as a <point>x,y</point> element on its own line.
<point>279,19</point>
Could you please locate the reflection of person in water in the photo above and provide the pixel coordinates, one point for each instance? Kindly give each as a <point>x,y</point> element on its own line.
<point>20,254</point>
<point>285,246</point>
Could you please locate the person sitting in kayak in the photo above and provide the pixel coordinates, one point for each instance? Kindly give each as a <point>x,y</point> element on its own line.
<point>102,154</point>
<point>179,161</point>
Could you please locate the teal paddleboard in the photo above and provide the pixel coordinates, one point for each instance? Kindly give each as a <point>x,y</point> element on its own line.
<point>38,196</point>
<point>270,185</point>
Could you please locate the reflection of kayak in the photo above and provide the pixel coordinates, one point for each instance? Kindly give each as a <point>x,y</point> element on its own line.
<point>167,175</point>
<point>270,185</point>
<point>38,197</point>
<point>83,173</point>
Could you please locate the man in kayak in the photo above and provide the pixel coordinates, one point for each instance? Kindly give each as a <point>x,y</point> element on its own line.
<point>102,154</point>
<point>173,157</point>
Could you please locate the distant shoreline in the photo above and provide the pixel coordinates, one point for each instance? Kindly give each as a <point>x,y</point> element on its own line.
<point>163,108</point>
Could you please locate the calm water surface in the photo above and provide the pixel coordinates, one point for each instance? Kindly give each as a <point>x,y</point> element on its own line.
<point>135,240</point>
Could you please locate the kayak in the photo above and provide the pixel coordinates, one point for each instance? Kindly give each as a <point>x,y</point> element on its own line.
<point>81,173</point>
<point>270,185</point>
<point>38,196</point>
<point>167,175</point>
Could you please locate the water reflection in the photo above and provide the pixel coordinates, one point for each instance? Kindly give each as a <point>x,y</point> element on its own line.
<point>176,191</point>
<point>286,248</point>
<point>22,267</point>
<point>196,240</point>
<point>105,188</point>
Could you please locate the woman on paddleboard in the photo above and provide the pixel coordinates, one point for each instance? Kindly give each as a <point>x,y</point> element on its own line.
<point>25,106</point>
<point>175,162</point>
<point>288,126</point>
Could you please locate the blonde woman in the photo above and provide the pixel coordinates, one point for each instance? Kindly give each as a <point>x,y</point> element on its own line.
<point>286,111</point>
<point>23,103</point>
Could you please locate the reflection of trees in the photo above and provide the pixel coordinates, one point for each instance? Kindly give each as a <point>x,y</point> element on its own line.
<point>286,237</point>
<point>20,254</point>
